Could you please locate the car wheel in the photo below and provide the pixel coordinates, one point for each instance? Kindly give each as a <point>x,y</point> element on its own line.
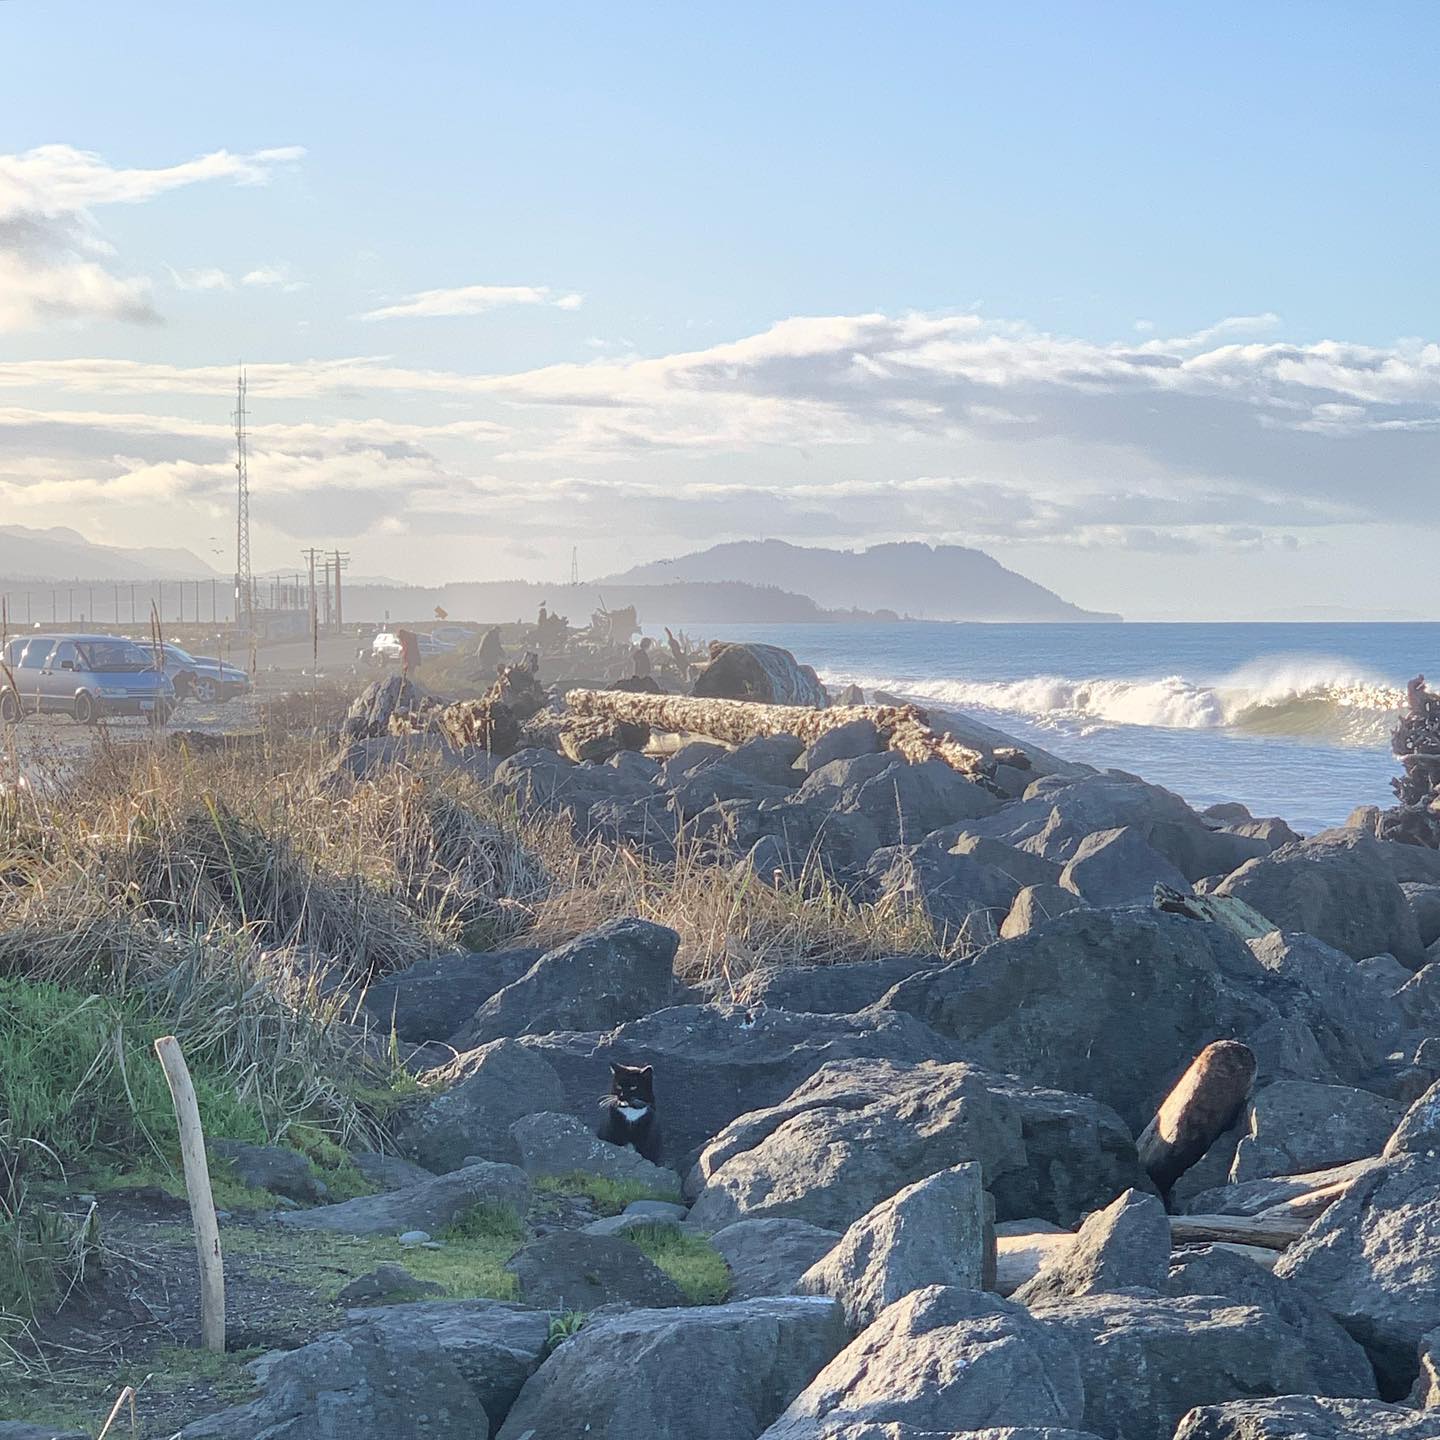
<point>9,707</point>
<point>86,710</point>
<point>204,689</point>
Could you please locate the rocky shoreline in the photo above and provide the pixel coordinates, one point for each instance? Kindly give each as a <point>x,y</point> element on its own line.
<point>921,1171</point>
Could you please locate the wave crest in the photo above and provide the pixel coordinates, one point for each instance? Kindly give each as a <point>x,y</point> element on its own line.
<point>1314,700</point>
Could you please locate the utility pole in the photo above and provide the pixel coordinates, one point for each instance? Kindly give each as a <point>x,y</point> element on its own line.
<point>342,559</point>
<point>244,596</point>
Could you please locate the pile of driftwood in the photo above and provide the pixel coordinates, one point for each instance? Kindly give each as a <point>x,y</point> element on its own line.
<point>1416,741</point>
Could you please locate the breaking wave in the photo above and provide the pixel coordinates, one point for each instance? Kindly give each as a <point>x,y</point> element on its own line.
<point>1306,699</point>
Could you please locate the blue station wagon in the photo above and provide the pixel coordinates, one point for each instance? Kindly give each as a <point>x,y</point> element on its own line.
<point>85,676</point>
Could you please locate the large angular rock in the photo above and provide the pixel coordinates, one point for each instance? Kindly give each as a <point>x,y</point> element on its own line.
<point>1215,1271</point>
<point>366,1380</point>
<point>481,1094</point>
<point>843,742</point>
<point>929,1233</point>
<point>1337,887</point>
<point>959,894</point>
<point>424,1002</point>
<point>1034,905</point>
<point>941,1362</point>
<point>1258,1195</point>
<point>429,1206</point>
<point>1294,1126</point>
<point>619,971</point>
<point>906,802</point>
<point>717,782</point>
<point>551,1144</point>
<point>1145,1361</point>
<point>1020,865</point>
<point>1125,1246</point>
<point>715,1372</point>
<point>1373,1260</point>
<point>833,989</point>
<point>1307,1417</point>
<point>495,1346</point>
<point>858,1131</point>
<point>1109,1003</point>
<point>714,1063</point>
<point>1418,1132</point>
<point>1426,1391</point>
<point>1419,998</point>
<point>570,1270</point>
<point>768,1257</point>
<point>1118,867</point>
<point>1320,987</point>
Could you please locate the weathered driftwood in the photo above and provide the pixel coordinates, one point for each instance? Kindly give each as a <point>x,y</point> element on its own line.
<point>1268,1231</point>
<point>1227,910</point>
<point>763,674</point>
<point>905,729</point>
<point>1204,1104</point>
<point>1019,1257</point>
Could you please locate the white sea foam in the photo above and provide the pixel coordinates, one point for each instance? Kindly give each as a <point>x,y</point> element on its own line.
<point>1322,700</point>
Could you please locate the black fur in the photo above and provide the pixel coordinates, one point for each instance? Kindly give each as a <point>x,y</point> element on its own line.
<point>633,1087</point>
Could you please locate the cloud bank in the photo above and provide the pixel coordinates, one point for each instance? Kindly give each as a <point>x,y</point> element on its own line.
<point>55,264</point>
<point>472,300</point>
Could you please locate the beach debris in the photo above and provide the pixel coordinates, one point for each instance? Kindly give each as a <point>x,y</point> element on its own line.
<point>763,673</point>
<point>1416,741</point>
<point>1204,1104</point>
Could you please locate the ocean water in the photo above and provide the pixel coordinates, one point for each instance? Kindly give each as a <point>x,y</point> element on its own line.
<point>1291,720</point>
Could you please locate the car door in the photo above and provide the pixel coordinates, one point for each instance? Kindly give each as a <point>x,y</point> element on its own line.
<point>30,672</point>
<point>57,679</point>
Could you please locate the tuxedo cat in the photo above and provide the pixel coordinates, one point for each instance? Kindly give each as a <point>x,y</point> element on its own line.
<point>630,1111</point>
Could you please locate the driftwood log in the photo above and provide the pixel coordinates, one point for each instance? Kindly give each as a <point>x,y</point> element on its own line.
<point>1204,1104</point>
<point>905,729</point>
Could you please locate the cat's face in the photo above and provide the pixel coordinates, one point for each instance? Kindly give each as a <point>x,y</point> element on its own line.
<point>633,1086</point>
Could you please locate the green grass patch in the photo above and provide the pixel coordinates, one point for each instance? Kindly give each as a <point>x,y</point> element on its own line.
<point>609,1197</point>
<point>467,1268</point>
<point>333,1165</point>
<point>80,1081</point>
<point>486,1223</point>
<point>690,1261</point>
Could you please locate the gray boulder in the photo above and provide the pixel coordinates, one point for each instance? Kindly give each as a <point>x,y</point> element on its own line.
<point>1118,867</point>
<point>385,1284</point>
<point>616,972</point>
<point>553,1144</point>
<point>1020,865</point>
<point>717,782</point>
<point>1213,1270</point>
<point>273,1168</point>
<point>389,1172</point>
<point>430,1205</point>
<point>1418,1132</point>
<point>691,757</point>
<point>1307,1417</point>
<point>858,1131</point>
<point>842,989</point>
<point>1373,1260</point>
<point>1145,1360</point>
<point>1109,1003</point>
<point>1336,887</point>
<point>495,1346</point>
<point>768,1257</point>
<point>367,1380</point>
<point>905,802</point>
<point>424,1002</point>
<point>929,1233</point>
<point>1424,902</point>
<point>1125,1246</point>
<point>1295,1126</point>
<point>844,742</point>
<point>772,758</point>
<point>1257,1195</point>
<point>480,1095</point>
<point>959,894</point>
<point>1426,1392</point>
<point>1419,998</point>
<point>941,1361</point>
<point>714,1063</point>
<point>1034,905</point>
<point>715,1372</point>
<point>570,1270</point>
<point>24,1430</point>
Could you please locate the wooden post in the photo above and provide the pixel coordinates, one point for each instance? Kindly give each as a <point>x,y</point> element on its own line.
<point>197,1187</point>
<point>1204,1104</point>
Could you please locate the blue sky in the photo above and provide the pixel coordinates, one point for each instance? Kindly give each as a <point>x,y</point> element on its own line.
<point>1075,195</point>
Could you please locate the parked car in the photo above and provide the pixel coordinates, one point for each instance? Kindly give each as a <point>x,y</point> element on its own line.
<point>385,647</point>
<point>85,676</point>
<point>202,676</point>
<point>457,636</point>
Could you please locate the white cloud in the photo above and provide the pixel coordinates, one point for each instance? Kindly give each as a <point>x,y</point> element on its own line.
<point>472,300</point>
<point>272,277</point>
<point>55,264</point>
<point>203,279</point>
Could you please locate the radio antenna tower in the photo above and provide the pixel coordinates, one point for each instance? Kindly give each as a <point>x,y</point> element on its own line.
<point>244,583</point>
<point>574,564</point>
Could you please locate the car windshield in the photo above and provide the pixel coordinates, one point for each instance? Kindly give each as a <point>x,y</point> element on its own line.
<point>174,652</point>
<point>113,657</point>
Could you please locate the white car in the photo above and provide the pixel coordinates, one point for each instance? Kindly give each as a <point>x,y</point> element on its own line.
<point>386,646</point>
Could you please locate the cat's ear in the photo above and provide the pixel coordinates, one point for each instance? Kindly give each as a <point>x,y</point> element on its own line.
<point>648,1071</point>
<point>615,1069</point>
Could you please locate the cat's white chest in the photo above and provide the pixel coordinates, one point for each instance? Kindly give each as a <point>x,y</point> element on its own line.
<point>633,1112</point>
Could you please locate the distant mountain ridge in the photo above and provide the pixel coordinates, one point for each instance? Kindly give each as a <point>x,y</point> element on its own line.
<point>63,554</point>
<point>932,582</point>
